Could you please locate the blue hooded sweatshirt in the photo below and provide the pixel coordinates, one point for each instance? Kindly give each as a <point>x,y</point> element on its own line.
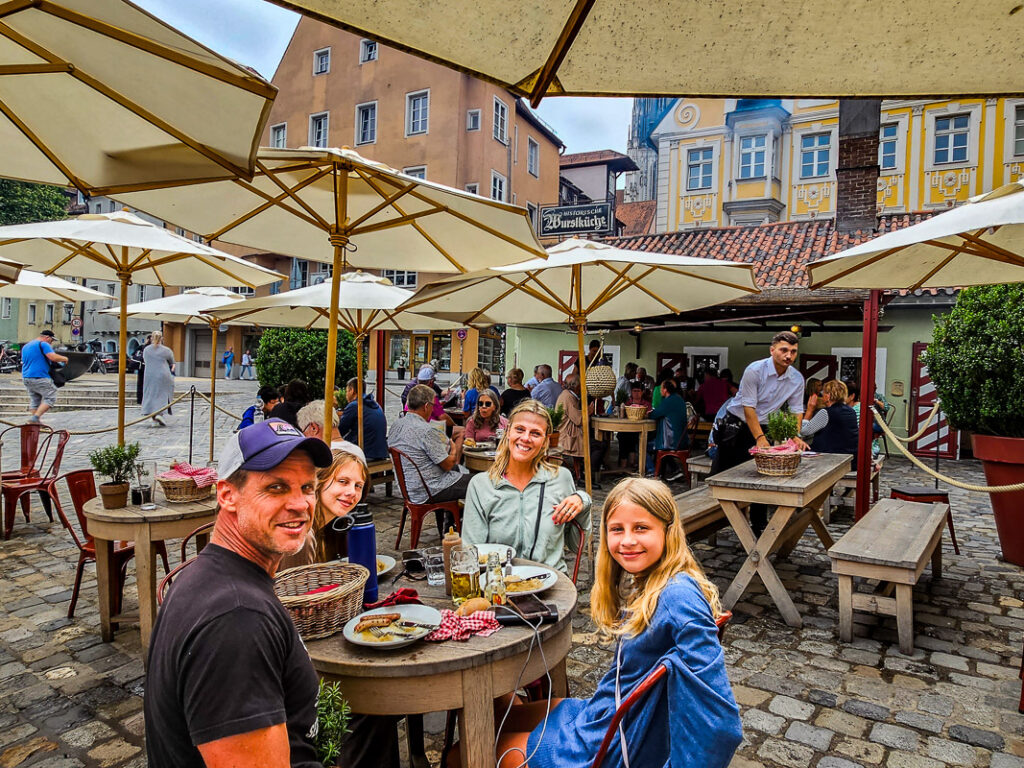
<point>375,427</point>
<point>689,720</point>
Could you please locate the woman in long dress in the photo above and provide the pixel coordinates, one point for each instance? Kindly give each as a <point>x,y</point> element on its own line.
<point>158,387</point>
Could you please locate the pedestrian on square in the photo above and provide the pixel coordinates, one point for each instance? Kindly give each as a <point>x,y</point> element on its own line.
<point>228,360</point>
<point>140,376</point>
<point>158,388</point>
<point>246,366</point>
<point>36,357</point>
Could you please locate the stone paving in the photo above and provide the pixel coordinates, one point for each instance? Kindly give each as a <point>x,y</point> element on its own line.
<point>807,700</point>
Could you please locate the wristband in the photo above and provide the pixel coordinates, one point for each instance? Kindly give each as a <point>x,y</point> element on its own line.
<point>759,437</point>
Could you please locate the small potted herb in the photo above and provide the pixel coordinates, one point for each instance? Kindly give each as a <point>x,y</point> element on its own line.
<point>557,416</point>
<point>782,426</point>
<point>332,723</point>
<point>783,458</point>
<point>117,462</point>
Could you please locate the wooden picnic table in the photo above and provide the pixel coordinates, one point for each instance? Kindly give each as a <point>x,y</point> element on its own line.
<point>797,502</point>
<point>615,424</point>
<point>145,528</point>
<point>466,676</point>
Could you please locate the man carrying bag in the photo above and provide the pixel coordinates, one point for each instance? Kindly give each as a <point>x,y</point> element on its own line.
<point>37,374</point>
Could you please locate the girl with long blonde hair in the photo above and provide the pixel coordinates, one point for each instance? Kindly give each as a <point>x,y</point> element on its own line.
<point>653,598</point>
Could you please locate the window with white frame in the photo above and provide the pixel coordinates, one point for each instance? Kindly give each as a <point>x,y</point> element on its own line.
<point>698,168</point>
<point>474,188</point>
<point>752,154</point>
<point>366,123</point>
<point>532,157</point>
<point>245,290</point>
<point>416,171</point>
<point>814,151</point>
<point>532,210</point>
<point>500,121</point>
<point>952,135</point>
<point>32,313</point>
<point>401,278</point>
<point>497,186</point>
<point>279,136</point>
<point>142,293</point>
<point>417,112</point>
<point>48,314</point>
<point>275,288</point>
<point>5,308</point>
<point>1018,130</point>
<point>318,124</point>
<point>322,61</point>
<point>473,120</point>
<point>367,51</point>
<point>888,139</point>
<point>69,313</point>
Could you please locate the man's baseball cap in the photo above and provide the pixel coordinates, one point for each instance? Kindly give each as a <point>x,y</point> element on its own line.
<point>48,334</point>
<point>426,373</point>
<point>266,444</point>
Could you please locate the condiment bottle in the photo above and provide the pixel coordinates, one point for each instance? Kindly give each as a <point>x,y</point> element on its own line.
<point>448,543</point>
<point>495,592</point>
<point>362,548</point>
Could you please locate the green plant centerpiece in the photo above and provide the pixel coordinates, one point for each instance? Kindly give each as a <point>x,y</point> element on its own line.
<point>117,462</point>
<point>976,362</point>
<point>557,416</point>
<point>782,426</point>
<point>332,722</point>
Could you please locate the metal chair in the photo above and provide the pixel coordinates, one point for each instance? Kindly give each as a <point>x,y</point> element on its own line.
<point>417,511</point>
<point>41,474</point>
<point>203,530</point>
<point>29,439</point>
<point>679,455</point>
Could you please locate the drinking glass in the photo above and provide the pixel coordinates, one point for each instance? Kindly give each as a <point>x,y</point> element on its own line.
<point>465,565</point>
<point>435,566</point>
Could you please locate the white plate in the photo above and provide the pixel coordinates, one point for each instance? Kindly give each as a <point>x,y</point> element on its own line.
<point>421,614</point>
<point>501,549</point>
<point>531,570</point>
<point>388,561</point>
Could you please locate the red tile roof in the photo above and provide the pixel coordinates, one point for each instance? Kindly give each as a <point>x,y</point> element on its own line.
<point>637,218</point>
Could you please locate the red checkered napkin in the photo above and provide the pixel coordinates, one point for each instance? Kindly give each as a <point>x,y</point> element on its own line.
<point>203,476</point>
<point>454,627</point>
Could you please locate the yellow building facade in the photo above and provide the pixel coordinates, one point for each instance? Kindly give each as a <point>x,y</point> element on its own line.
<point>750,161</point>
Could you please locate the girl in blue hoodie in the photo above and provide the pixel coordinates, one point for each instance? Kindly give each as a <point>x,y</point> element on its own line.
<point>653,598</point>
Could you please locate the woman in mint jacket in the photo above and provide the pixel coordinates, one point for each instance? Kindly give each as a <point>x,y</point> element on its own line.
<point>523,501</point>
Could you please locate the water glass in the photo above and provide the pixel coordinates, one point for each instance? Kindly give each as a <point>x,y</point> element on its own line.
<point>435,566</point>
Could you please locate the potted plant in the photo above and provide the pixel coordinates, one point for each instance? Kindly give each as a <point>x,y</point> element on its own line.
<point>783,458</point>
<point>975,361</point>
<point>332,723</point>
<point>557,416</point>
<point>117,462</point>
<point>782,426</point>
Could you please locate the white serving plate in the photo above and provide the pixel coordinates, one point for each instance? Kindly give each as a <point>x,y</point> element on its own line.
<point>501,549</point>
<point>389,563</point>
<point>530,570</point>
<point>422,614</point>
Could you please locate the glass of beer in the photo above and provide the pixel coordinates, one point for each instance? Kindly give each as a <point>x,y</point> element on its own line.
<point>465,566</point>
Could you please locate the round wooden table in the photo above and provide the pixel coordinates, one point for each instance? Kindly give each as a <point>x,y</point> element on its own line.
<point>481,461</point>
<point>145,528</point>
<point>614,424</point>
<point>467,676</point>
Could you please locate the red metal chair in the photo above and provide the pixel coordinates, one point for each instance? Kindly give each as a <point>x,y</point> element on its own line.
<point>29,439</point>
<point>417,511</point>
<point>638,693</point>
<point>202,530</point>
<point>43,472</point>
<point>926,495</point>
<point>681,456</point>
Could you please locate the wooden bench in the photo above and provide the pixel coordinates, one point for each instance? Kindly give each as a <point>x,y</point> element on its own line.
<point>845,491</point>
<point>892,543</point>
<point>381,471</point>
<point>700,467</point>
<point>700,513</point>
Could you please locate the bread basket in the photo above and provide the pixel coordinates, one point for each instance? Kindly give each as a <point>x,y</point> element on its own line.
<point>635,412</point>
<point>321,614</point>
<point>183,490</point>
<point>777,464</point>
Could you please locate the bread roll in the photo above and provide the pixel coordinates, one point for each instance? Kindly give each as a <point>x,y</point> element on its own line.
<point>472,605</point>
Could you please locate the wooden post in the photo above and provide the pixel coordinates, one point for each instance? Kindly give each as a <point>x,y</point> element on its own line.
<point>214,329</point>
<point>122,356</point>
<point>359,384</point>
<point>339,240</point>
<point>382,367</point>
<point>869,346</point>
<point>581,324</point>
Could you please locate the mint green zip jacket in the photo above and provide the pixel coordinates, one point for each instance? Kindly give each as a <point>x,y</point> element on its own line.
<point>501,514</point>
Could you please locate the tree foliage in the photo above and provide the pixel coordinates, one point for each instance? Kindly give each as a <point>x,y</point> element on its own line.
<point>292,353</point>
<point>976,360</point>
<point>21,202</point>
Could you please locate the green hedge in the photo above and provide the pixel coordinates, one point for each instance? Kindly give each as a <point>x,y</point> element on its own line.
<point>292,353</point>
<point>976,360</point>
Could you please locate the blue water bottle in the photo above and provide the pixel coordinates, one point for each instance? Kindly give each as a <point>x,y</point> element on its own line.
<point>362,548</point>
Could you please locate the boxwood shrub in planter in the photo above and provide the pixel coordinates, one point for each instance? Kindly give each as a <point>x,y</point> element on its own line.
<point>976,362</point>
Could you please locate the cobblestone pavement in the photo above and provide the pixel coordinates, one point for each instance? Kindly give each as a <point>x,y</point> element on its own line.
<point>807,700</point>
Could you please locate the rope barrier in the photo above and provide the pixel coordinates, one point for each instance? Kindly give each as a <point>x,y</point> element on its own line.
<point>924,428</point>
<point>208,399</point>
<point>944,478</point>
<point>147,417</point>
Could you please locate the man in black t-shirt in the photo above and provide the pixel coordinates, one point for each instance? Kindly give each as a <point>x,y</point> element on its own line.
<point>230,682</point>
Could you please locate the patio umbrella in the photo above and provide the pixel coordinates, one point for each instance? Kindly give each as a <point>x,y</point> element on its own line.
<point>336,206</point>
<point>583,281</point>
<point>187,307</point>
<point>365,303</point>
<point>130,249</point>
<point>102,95</point>
<point>704,49</point>
<point>35,286</point>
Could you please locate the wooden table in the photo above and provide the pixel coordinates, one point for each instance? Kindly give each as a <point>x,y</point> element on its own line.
<point>167,521</point>
<point>613,424</point>
<point>467,676</point>
<point>797,500</point>
<point>481,461</point>
<point>458,416</point>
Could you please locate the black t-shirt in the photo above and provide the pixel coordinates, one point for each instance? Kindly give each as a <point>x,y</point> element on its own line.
<point>225,659</point>
<point>288,410</point>
<point>510,398</point>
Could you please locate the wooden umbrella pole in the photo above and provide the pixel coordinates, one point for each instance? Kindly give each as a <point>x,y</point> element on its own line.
<point>359,384</point>
<point>122,357</point>
<point>339,239</point>
<point>581,323</point>
<point>214,328</point>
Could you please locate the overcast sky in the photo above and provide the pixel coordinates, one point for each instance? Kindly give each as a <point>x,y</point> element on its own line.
<point>256,33</point>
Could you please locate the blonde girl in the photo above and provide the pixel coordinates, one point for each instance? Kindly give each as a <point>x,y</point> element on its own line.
<point>479,382</point>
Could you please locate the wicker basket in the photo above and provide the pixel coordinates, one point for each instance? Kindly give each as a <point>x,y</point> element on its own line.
<point>325,613</point>
<point>178,491</point>
<point>600,381</point>
<point>635,412</point>
<point>777,464</point>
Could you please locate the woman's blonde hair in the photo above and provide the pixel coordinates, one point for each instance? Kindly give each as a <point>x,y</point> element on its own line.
<point>156,337</point>
<point>479,380</point>
<point>324,478</point>
<point>617,613</point>
<point>836,390</point>
<point>503,454</point>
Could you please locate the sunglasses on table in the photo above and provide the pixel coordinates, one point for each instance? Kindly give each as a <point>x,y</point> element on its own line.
<point>414,565</point>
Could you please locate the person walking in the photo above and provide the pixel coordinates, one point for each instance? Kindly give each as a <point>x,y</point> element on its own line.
<point>140,376</point>
<point>246,366</point>
<point>158,388</point>
<point>228,360</point>
<point>36,357</point>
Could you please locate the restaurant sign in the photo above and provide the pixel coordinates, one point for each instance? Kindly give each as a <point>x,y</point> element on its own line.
<point>593,218</point>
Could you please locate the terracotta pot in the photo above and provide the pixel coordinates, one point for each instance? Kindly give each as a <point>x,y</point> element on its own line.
<point>553,440</point>
<point>114,495</point>
<point>1003,460</point>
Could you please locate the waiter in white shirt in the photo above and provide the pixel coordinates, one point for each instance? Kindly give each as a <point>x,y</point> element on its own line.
<point>766,386</point>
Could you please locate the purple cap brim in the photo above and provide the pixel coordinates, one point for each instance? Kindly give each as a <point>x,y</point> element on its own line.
<point>273,455</point>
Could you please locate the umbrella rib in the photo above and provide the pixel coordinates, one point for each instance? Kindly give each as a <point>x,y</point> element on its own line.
<point>566,38</point>
<point>708,279</point>
<point>38,143</point>
<point>33,69</point>
<point>272,175</point>
<point>388,200</point>
<point>1009,256</point>
<point>631,281</point>
<point>556,301</point>
<point>79,250</point>
<point>866,263</point>
<point>612,284</point>
<point>270,202</point>
<point>391,223</point>
<point>936,268</point>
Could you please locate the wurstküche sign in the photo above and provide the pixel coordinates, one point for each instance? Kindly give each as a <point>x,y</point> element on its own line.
<point>593,218</point>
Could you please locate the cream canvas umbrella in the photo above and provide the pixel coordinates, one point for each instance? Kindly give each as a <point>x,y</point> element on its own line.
<point>366,303</point>
<point>335,206</point>
<point>35,286</point>
<point>583,281</point>
<point>102,95</point>
<point>187,307</point>
<point>709,49</point>
<point>9,271</point>
<point>124,247</point>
